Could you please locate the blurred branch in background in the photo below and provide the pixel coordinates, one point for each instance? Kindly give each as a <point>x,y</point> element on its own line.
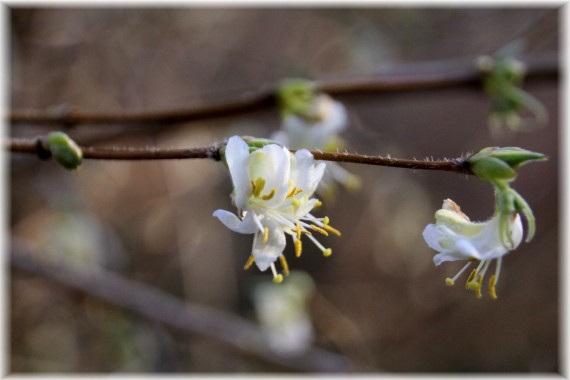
<point>157,306</point>
<point>410,77</point>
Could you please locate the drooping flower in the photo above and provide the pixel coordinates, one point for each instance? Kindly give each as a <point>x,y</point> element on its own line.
<point>282,311</point>
<point>273,191</point>
<point>455,237</point>
<point>317,127</point>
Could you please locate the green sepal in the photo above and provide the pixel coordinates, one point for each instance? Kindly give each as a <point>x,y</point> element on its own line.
<point>491,168</point>
<point>64,150</point>
<point>522,206</point>
<point>253,143</point>
<point>512,156</point>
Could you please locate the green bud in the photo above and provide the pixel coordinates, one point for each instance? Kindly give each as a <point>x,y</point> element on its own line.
<point>64,150</point>
<point>512,156</point>
<point>295,97</point>
<point>491,168</point>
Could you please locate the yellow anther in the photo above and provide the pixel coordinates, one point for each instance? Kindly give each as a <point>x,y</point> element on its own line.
<point>492,283</point>
<point>327,252</point>
<point>318,204</point>
<point>284,265</point>
<point>298,230</point>
<point>278,279</point>
<point>471,276</point>
<point>475,285</point>
<point>332,230</point>
<point>298,247</point>
<point>257,186</point>
<point>265,235</point>
<point>295,203</point>
<point>319,229</point>
<point>269,196</point>
<point>326,220</point>
<point>294,192</point>
<point>249,262</point>
<point>449,282</point>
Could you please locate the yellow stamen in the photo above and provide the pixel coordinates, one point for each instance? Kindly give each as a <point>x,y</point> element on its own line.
<point>318,204</point>
<point>319,229</point>
<point>298,247</point>
<point>298,230</point>
<point>331,229</point>
<point>249,262</point>
<point>471,277</point>
<point>269,196</point>
<point>326,220</point>
<point>257,186</point>
<point>265,235</point>
<point>295,203</point>
<point>327,252</point>
<point>277,278</point>
<point>475,285</point>
<point>449,282</point>
<point>294,192</point>
<point>492,283</point>
<point>284,265</point>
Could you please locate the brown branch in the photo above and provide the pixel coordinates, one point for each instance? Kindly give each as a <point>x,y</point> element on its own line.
<point>158,306</point>
<point>413,77</point>
<point>458,165</point>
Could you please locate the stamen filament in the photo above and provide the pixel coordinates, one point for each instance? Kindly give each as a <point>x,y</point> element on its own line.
<point>451,281</point>
<point>277,278</point>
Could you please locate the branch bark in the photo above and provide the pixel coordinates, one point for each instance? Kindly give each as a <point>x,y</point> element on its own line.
<point>457,165</point>
<point>412,77</point>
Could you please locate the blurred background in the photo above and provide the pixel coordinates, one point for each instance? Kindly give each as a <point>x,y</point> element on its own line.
<point>378,301</point>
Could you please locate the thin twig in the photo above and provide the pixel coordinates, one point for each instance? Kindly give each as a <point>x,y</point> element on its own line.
<point>158,306</point>
<point>457,165</point>
<point>411,77</point>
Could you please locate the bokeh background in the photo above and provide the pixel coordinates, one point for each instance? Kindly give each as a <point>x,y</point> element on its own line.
<point>379,301</point>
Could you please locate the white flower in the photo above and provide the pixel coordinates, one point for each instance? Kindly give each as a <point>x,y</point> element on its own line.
<point>283,313</point>
<point>319,129</point>
<point>455,237</point>
<point>272,191</point>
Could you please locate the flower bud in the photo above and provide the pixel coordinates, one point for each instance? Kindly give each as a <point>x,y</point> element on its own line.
<point>496,163</point>
<point>295,97</point>
<point>64,150</point>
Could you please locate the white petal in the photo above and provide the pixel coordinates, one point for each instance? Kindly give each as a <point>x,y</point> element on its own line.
<point>245,226</point>
<point>267,253</point>
<point>432,235</point>
<point>466,250</point>
<point>237,156</point>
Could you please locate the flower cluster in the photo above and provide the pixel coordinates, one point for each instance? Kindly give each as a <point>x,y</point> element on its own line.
<point>273,189</point>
